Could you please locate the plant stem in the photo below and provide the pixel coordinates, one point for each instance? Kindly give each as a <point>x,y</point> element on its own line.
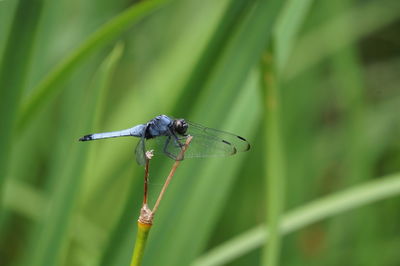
<point>171,174</point>
<point>146,180</point>
<point>146,215</point>
<point>275,167</point>
<point>141,239</point>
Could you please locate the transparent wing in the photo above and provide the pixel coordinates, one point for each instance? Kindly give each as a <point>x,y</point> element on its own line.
<point>200,146</point>
<point>214,135</point>
<point>158,145</point>
<point>140,152</point>
<point>206,142</point>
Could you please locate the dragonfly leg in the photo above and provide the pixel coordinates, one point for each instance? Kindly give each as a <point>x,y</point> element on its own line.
<point>176,143</point>
<point>181,145</point>
<point>165,149</point>
<point>177,140</point>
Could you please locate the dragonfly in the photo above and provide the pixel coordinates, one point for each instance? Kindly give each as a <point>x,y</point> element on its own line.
<point>168,135</point>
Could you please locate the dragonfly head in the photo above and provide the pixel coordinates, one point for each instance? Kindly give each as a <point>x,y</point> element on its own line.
<point>180,126</point>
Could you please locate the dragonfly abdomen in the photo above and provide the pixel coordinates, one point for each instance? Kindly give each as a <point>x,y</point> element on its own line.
<point>136,131</point>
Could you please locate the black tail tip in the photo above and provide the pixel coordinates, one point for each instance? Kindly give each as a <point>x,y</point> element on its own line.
<point>86,138</point>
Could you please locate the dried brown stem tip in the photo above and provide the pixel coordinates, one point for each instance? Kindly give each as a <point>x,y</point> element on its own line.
<point>149,155</point>
<point>171,174</point>
<point>146,215</point>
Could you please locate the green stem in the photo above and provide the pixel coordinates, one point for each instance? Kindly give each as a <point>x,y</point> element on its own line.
<point>146,215</point>
<point>140,244</point>
<point>275,166</point>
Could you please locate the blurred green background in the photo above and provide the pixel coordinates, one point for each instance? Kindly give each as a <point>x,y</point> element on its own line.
<point>313,85</point>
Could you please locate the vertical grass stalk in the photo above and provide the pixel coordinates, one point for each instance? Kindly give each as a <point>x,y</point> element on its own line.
<point>275,166</point>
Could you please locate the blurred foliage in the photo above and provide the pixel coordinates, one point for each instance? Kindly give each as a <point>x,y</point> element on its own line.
<point>69,68</point>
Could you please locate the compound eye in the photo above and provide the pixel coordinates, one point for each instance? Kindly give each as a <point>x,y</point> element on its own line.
<point>180,126</point>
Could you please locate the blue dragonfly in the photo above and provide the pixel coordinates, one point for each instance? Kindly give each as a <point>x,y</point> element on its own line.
<point>168,135</point>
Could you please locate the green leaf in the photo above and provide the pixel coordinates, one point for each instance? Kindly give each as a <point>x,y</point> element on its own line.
<point>319,42</point>
<point>298,218</point>
<point>287,29</point>
<point>17,55</point>
<point>51,234</point>
<point>104,35</point>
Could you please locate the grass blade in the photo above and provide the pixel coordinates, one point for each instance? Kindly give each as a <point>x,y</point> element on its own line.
<point>17,55</point>
<point>222,89</point>
<point>319,43</point>
<point>52,234</point>
<point>287,28</point>
<point>296,219</point>
<point>107,33</point>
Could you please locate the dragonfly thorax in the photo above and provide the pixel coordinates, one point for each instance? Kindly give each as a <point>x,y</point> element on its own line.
<point>159,126</point>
